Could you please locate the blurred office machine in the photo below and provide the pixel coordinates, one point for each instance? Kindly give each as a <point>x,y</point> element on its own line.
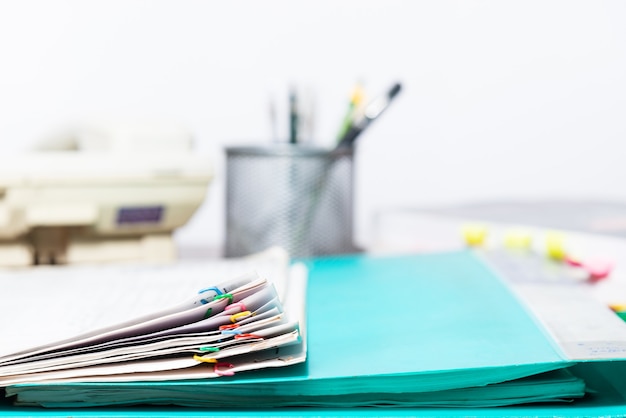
<point>100,192</point>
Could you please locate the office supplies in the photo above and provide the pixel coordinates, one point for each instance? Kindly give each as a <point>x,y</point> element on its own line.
<point>356,101</point>
<point>518,239</point>
<point>297,197</point>
<point>474,234</point>
<point>555,245</point>
<point>293,116</point>
<point>473,334</point>
<point>372,111</point>
<point>620,310</point>
<point>239,317</point>
<point>597,268</point>
<point>521,240</point>
<point>101,192</point>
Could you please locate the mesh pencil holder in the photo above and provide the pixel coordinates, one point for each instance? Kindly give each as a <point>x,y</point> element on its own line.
<point>297,197</point>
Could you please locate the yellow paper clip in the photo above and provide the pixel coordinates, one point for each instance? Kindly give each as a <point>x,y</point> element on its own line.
<point>204,359</point>
<point>235,317</point>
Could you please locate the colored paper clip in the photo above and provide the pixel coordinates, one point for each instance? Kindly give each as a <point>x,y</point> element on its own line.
<point>224,296</point>
<point>204,359</point>
<point>235,317</point>
<point>208,312</point>
<point>213,288</point>
<point>241,306</point>
<point>241,336</point>
<point>229,326</point>
<point>209,349</point>
<point>217,371</point>
<point>231,332</point>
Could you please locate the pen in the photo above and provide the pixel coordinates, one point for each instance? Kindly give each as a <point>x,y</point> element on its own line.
<point>356,100</point>
<point>293,116</point>
<point>372,111</point>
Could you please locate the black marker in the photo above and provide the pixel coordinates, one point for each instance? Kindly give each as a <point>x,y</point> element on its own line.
<point>372,111</point>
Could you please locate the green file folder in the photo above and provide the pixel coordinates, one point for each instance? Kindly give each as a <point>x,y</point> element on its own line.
<point>439,324</point>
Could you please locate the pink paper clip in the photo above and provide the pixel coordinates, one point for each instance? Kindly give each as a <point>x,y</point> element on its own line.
<point>241,306</point>
<point>217,371</point>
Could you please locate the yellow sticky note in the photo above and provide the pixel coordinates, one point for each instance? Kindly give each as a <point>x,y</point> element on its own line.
<point>518,240</point>
<point>555,246</point>
<point>474,235</point>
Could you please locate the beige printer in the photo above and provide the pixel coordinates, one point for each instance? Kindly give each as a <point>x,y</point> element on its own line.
<point>100,192</point>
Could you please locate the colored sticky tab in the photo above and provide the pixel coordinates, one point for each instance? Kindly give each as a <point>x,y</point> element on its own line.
<point>618,307</point>
<point>598,268</point>
<point>518,240</point>
<point>573,261</point>
<point>474,235</point>
<point>555,246</point>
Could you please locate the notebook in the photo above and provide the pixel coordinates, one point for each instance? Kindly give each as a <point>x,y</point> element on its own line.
<point>434,330</point>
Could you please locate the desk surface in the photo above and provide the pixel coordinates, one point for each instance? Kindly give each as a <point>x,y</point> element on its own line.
<point>611,402</point>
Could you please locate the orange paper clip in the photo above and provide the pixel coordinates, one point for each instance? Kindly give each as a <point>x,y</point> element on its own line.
<point>229,326</point>
<point>240,336</point>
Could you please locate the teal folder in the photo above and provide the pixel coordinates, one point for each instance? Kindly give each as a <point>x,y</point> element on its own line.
<point>419,323</point>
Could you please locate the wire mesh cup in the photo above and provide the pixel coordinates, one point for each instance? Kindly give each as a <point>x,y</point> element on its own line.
<point>297,197</point>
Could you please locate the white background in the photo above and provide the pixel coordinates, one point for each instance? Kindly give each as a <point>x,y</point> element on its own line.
<point>501,99</point>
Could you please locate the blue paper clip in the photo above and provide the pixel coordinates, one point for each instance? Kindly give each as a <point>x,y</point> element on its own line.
<point>231,332</point>
<point>213,288</point>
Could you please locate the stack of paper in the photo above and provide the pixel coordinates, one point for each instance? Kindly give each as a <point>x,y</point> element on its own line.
<point>427,330</point>
<point>237,325</point>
